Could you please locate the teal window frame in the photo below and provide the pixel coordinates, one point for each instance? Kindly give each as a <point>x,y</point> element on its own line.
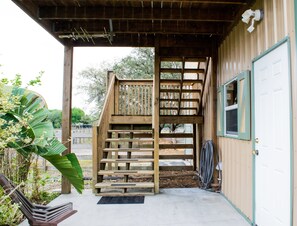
<point>243,107</point>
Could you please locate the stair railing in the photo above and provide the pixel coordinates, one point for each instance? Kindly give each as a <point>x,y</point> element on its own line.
<point>134,97</point>
<point>100,131</point>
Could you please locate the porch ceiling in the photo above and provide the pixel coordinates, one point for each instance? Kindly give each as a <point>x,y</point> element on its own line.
<point>178,23</point>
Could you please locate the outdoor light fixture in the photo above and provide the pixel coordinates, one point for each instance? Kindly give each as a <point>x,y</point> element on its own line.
<point>254,15</point>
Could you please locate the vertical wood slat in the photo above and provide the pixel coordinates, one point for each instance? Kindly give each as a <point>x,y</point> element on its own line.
<point>156,114</point>
<point>135,97</point>
<point>66,110</point>
<point>116,97</point>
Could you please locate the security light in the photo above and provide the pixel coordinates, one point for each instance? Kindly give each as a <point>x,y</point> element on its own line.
<point>254,15</point>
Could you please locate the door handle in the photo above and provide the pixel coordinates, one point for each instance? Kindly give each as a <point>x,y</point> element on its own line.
<point>255,152</point>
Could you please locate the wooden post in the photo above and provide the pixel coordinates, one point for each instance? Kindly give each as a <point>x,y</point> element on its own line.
<point>200,142</point>
<point>66,110</point>
<point>156,113</point>
<point>95,157</point>
<point>195,146</point>
<point>116,96</point>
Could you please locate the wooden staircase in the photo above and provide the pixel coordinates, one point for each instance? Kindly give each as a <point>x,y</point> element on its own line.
<point>182,80</point>
<point>181,85</point>
<point>127,163</point>
<point>179,153</point>
<point>127,158</point>
<point>129,147</point>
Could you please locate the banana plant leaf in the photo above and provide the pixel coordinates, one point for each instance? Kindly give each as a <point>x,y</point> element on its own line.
<point>41,132</point>
<point>69,166</point>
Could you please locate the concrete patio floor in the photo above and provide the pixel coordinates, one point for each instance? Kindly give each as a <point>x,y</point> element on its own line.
<point>172,207</point>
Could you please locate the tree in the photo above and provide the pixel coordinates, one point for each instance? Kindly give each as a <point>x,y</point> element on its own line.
<point>92,82</point>
<point>77,115</point>
<point>138,65</point>
<point>56,117</point>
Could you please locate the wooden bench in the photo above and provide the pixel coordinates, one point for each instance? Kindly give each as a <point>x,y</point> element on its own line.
<point>37,215</point>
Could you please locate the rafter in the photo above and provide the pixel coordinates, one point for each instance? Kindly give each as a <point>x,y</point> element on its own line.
<point>134,13</point>
<point>141,27</point>
<point>203,46</point>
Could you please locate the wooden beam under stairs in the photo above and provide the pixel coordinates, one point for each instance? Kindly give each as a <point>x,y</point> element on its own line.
<point>179,71</point>
<point>128,149</point>
<point>175,146</point>
<point>138,140</point>
<point>126,160</point>
<point>176,135</point>
<point>126,172</point>
<point>181,59</point>
<point>181,119</point>
<point>178,90</point>
<point>177,100</point>
<point>177,81</point>
<point>130,119</point>
<point>175,156</point>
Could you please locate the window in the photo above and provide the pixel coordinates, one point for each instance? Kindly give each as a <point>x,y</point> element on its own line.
<point>233,108</point>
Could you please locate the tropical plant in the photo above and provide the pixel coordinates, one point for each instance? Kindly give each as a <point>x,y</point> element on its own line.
<point>25,127</point>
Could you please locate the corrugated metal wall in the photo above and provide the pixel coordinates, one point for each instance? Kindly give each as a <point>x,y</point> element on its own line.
<point>235,55</point>
<point>208,122</point>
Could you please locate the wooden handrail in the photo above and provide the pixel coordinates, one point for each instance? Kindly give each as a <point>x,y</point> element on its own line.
<point>108,98</point>
<point>100,131</point>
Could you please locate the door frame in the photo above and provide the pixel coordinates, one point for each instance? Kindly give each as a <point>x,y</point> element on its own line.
<point>285,40</point>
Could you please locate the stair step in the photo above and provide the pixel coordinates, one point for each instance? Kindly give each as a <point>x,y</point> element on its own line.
<point>176,108</point>
<point>176,168</point>
<point>178,90</point>
<point>126,172</point>
<point>178,81</point>
<point>176,135</point>
<point>116,140</point>
<point>128,149</point>
<point>175,146</point>
<point>182,100</point>
<point>181,59</point>
<point>129,131</point>
<point>125,160</point>
<point>125,185</point>
<point>175,156</point>
<point>179,70</point>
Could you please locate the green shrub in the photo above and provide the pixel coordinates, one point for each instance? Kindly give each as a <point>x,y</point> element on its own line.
<point>9,213</point>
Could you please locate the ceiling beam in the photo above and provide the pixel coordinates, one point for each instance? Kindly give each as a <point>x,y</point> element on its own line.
<point>140,27</point>
<point>167,42</point>
<point>135,13</point>
<point>230,2</point>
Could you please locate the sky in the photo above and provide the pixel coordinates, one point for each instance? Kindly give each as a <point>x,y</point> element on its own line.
<point>26,49</point>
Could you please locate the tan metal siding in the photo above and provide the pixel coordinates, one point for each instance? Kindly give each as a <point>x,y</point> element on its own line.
<point>235,55</point>
<point>207,108</point>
